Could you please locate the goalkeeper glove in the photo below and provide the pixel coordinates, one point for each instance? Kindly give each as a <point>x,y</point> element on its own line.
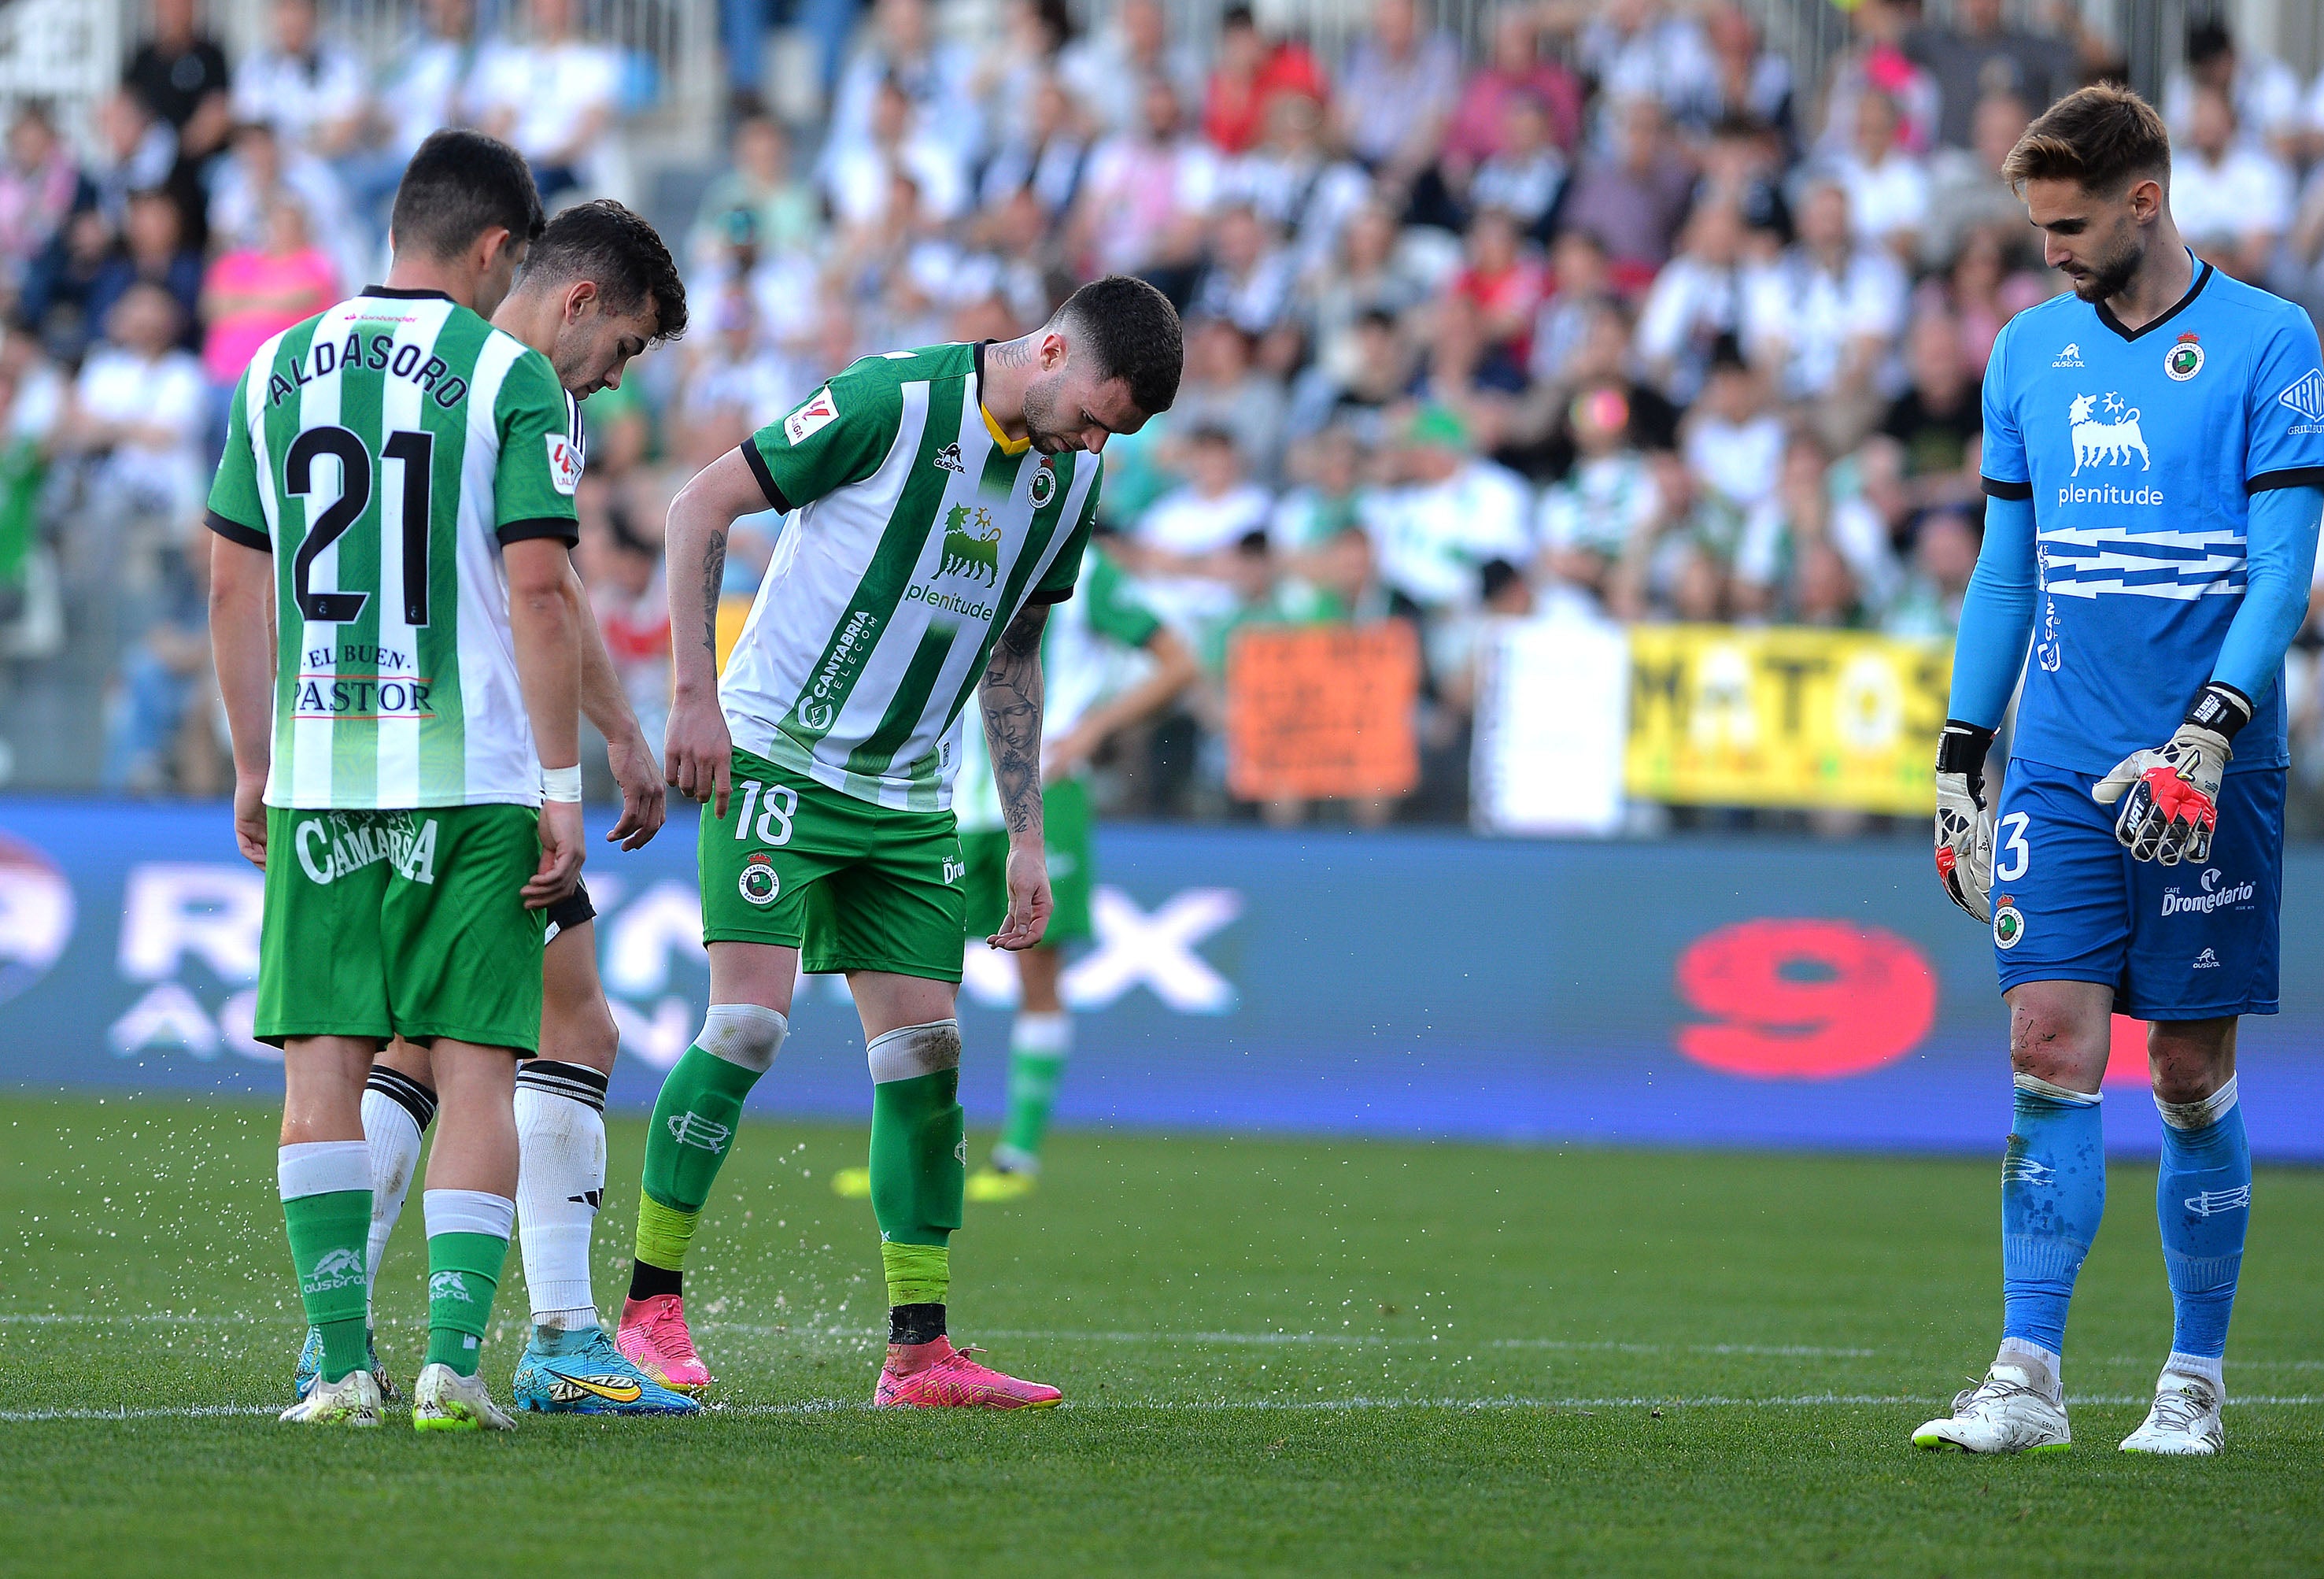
<point>2170,795</point>
<point>1964,820</point>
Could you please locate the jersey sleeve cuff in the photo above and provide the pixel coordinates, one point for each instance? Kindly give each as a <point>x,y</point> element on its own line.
<point>1998,489</point>
<point>2304,476</point>
<point>234,531</point>
<point>1051,595</point>
<point>563,528</point>
<point>766,483</point>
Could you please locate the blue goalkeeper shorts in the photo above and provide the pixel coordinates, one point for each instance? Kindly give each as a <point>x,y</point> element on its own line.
<point>2184,942</point>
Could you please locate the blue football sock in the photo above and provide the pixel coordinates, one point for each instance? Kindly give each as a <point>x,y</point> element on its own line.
<point>2203,1201</point>
<point>2052,1195</point>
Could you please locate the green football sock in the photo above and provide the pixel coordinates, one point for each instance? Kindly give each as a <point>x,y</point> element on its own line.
<point>1038,1045</point>
<point>328,1237</point>
<point>694,1122</point>
<point>919,1156</point>
<point>463,1273</point>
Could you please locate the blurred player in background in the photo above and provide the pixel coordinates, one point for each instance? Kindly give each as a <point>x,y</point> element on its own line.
<point>941,502</point>
<point>2154,455</point>
<point>1108,662</point>
<point>597,287</point>
<point>398,650</point>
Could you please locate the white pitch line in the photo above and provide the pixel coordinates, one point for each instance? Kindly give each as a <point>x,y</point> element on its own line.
<point>1227,1405</point>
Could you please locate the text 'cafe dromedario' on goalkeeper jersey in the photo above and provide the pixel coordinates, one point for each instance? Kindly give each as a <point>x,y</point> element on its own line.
<point>921,531</point>
<point>383,452</point>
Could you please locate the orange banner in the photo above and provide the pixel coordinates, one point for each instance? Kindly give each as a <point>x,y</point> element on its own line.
<point>1323,713</point>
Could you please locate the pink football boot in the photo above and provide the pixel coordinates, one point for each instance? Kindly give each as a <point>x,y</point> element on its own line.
<point>937,1376</point>
<point>653,1335</point>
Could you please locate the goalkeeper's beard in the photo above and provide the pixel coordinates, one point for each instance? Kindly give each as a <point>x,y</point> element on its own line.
<point>2108,278</point>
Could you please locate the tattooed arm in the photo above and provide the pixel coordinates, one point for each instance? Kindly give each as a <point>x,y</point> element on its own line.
<point>1012,698</point>
<point>697,754</point>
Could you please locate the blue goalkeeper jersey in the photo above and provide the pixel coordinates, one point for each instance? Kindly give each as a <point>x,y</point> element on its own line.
<point>2141,450</point>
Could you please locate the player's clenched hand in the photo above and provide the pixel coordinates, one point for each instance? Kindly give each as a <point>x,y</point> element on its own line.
<point>1029,899</point>
<point>645,804</point>
<point>2170,795</point>
<point>560,855</point>
<point>250,819</point>
<point>1964,819</point>
<point>698,753</point>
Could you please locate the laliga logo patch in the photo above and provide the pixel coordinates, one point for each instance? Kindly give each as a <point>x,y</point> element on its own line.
<point>819,413</point>
<point>760,885</point>
<point>2008,925</point>
<point>564,464</point>
<point>2184,360</point>
<point>1043,486</point>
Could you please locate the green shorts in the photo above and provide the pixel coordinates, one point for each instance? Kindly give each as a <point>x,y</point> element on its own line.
<point>850,885</point>
<point>1065,839</point>
<point>402,923</point>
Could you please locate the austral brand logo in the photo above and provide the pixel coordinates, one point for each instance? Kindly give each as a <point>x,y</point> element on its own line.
<point>2071,356</point>
<point>948,458</point>
<point>1043,486</point>
<point>2108,442</point>
<point>759,883</point>
<point>2306,396</point>
<point>450,1285</point>
<point>338,1268</point>
<point>2184,360</point>
<point>2205,961</point>
<point>819,708</point>
<point>2019,1169</point>
<point>691,1129</point>
<point>2211,1203</point>
<point>2217,893</point>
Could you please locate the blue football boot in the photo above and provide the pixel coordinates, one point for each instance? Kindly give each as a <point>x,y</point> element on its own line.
<point>582,1374</point>
<point>310,1367</point>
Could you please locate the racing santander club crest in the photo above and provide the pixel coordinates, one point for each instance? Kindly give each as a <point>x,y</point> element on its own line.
<point>759,882</point>
<point>2184,360</point>
<point>2008,923</point>
<point>1043,486</point>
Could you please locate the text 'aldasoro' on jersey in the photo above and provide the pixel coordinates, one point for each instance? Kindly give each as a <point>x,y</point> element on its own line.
<point>917,532</point>
<point>2140,450</point>
<point>384,452</point>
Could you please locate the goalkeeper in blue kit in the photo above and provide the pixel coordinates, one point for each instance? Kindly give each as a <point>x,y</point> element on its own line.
<point>2154,457</point>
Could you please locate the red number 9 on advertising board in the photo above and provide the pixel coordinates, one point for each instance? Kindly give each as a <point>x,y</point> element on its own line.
<point>1804,1000</point>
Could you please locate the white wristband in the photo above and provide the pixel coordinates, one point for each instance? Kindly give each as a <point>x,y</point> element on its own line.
<point>562,783</point>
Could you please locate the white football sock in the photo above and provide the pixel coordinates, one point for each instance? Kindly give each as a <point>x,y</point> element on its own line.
<point>560,1130</point>
<point>396,1112</point>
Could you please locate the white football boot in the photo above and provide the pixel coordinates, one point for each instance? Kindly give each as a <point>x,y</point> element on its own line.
<point>2010,1411</point>
<point>2184,1420</point>
<point>352,1400</point>
<point>443,1400</point>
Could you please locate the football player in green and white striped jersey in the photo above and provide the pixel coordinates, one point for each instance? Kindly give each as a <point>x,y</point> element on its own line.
<point>598,287</point>
<point>940,501</point>
<point>399,658</point>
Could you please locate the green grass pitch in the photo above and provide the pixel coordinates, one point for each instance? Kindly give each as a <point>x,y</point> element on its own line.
<point>1279,1356</point>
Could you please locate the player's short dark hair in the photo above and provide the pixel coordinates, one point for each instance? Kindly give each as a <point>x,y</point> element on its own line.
<point>459,185</point>
<point>1135,333</point>
<point>2102,137</point>
<point>615,250</point>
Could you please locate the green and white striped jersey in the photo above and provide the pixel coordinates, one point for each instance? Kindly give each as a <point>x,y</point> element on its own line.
<point>1093,649</point>
<point>919,533</point>
<point>383,452</point>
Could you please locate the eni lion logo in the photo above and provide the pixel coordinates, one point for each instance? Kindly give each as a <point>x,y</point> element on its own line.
<point>974,555</point>
<point>2110,441</point>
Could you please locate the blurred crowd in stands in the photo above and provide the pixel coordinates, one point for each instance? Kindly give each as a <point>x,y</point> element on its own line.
<point>1604,315</point>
